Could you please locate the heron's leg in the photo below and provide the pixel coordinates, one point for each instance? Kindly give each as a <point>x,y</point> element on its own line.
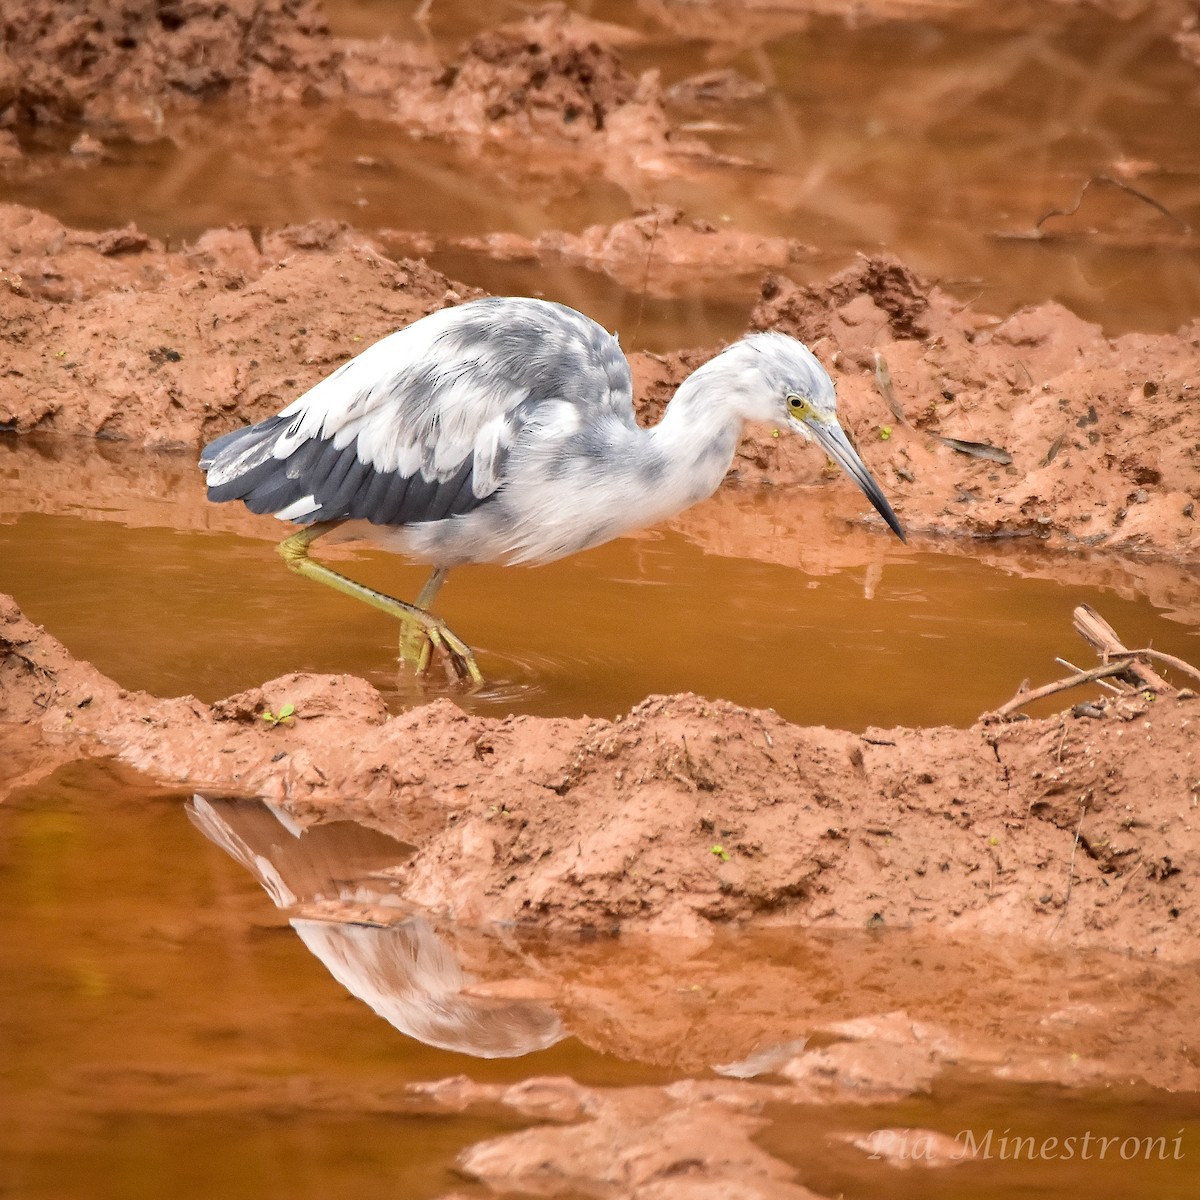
<point>415,644</point>
<point>427,630</point>
<point>433,585</point>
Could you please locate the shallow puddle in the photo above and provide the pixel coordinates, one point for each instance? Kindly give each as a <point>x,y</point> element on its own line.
<point>156,1004</point>
<point>166,1034</point>
<point>947,144</point>
<point>1029,1141</point>
<point>943,143</point>
<point>912,638</point>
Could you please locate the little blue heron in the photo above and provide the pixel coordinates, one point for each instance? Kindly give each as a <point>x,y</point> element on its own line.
<point>503,430</point>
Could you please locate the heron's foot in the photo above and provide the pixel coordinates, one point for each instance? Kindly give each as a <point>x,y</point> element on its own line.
<point>421,632</point>
<point>420,639</point>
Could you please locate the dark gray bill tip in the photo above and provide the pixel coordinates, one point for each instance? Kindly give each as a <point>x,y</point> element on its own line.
<point>884,509</point>
<point>835,443</point>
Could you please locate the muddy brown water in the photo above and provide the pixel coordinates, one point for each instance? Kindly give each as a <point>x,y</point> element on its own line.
<point>1017,1117</point>
<point>168,1034</point>
<point>909,637</point>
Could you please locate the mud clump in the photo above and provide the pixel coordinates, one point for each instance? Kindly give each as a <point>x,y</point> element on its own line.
<point>553,81</point>
<point>553,89</point>
<point>70,60</point>
<point>685,252</point>
<point>542,74</point>
<point>108,335</point>
<point>898,293</point>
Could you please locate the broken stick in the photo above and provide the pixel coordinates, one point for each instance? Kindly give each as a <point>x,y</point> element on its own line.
<point>1118,663</point>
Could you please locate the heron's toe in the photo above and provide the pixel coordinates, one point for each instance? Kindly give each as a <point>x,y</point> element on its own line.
<point>419,643</point>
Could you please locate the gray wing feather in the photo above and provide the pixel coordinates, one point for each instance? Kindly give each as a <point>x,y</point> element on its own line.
<point>419,426</point>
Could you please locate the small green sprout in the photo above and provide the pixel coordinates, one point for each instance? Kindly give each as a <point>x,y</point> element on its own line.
<point>885,433</point>
<point>720,852</point>
<point>993,840</point>
<point>282,717</point>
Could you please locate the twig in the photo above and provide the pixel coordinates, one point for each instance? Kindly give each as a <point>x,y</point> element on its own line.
<point>883,382</point>
<point>1097,180</point>
<point>1117,661</point>
<point>1168,660</point>
<point>1062,662</point>
<point>637,325</point>
<point>1102,637</point>
<point>1071,869</point>
<point>1132,876</point>
<point>9,650</point>
<point>1060,685</point>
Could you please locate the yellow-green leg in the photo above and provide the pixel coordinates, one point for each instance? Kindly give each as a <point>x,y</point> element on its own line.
<point>421,632</point>
<point>416,645</point>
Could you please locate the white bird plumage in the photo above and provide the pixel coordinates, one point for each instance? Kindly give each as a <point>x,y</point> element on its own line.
<point>503,430</point>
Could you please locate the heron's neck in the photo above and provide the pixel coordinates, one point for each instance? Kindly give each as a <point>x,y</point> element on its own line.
<point>692,447</point>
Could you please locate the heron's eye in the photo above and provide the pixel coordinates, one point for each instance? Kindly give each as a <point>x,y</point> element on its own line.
<point>798,406</point>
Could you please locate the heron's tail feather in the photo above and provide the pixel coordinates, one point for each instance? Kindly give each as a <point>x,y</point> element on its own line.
<point>244,465</point>
<point>233,455</point>
<point>265,468</point>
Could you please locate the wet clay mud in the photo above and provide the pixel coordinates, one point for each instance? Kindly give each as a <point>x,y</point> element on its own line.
<point>717,891</point>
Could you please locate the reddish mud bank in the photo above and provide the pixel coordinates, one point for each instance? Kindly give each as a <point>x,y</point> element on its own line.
<point>112,336</point>
<point>1089,441</point>
<point>1079,439</point>
<point>553,78</point>
<point>687,255</point>
<point>103,60</point>
<point>1080,829</point>
<point>109,60</point>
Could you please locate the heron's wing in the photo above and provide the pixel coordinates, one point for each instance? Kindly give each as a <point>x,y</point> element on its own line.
<point>419,426</point>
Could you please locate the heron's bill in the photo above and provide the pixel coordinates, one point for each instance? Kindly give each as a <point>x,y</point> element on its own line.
<point>835,443</point>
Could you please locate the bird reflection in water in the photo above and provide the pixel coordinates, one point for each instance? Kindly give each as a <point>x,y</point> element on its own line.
<point>331,879</point>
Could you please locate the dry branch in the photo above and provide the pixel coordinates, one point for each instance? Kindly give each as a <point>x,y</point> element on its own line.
<point>1117,661</point>
<point>1060,685</point>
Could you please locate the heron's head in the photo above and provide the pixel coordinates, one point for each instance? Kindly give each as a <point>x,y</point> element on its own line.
<point>797,394</point>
